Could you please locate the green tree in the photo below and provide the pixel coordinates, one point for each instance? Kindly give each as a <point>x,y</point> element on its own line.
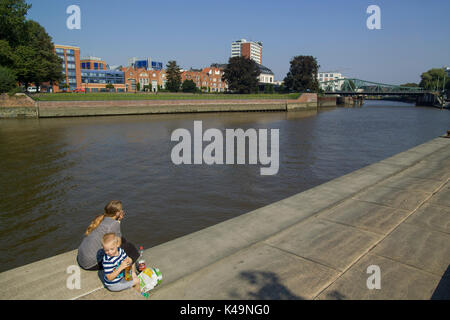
<point>36,62</point>
<point>434,78</point>
<point>173,72</point>
<point>7,79</point>
<point>409,84</point>
<point>110,87</point>
<point>25,46</point>
<point>241,74</point>
<point>7,55</point>
<point>268,88</point>
<point>302,75</point>
<point>12,21</point>
<point>188,86</point>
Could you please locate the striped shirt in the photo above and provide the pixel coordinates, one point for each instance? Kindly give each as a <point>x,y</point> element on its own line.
<point>112,263</point>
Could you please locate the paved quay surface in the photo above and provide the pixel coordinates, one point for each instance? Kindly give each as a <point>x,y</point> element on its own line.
<point>318,244</point>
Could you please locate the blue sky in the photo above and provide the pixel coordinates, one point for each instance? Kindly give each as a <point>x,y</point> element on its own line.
<point>414,35</point>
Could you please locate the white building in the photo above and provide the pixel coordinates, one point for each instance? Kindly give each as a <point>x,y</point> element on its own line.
<point>266,75</point>
<point>249,49</point>
<point>324,76</point>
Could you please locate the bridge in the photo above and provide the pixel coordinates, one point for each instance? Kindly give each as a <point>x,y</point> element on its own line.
<point>352,86</point>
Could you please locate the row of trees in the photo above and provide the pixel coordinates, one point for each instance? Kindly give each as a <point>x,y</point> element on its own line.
<point>435,79</point>
<point>242,74</point>
<point>26,50</point>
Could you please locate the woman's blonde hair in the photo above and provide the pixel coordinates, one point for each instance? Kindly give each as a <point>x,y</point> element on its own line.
<point>111,210</point>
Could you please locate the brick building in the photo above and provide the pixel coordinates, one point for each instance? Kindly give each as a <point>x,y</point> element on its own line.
<point>93,63</point>
<point>154,78</point>
<point>71,68</point>
<point>207,79</point>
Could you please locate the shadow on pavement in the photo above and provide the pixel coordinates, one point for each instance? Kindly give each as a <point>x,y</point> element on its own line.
<point>442,291</point>
<point>267,286</point>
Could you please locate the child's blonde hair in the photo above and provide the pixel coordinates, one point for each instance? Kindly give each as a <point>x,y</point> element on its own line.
<point>111,210</point>
<point>110,237</point>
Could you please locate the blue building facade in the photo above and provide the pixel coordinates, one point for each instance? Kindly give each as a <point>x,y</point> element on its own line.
<point>102,76</point>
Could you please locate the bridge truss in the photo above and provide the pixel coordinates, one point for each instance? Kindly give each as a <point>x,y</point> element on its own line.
<point>352,86</point>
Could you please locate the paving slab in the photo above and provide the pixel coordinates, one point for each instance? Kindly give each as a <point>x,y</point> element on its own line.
<point>405,182</point>
<point>407,158</point>
<point>366,216</point>
<point>417,246</point>
<point>397,282</point>
<point>319,198</point>
<point>105,294</point>
<point>442,156</point>
<point>393,197</point>
<point>51,277</point>
<point>204,247</point>
<point>442,197</point>
<point>433,217</point>
<point>432,146</point>
<point>331,244</point>
<point>428,170</point>
<point>258,272</point>
<point>383,169</point>
<point>356,181</point>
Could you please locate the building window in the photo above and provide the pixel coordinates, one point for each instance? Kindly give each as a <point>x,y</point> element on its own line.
<point>60,50</point>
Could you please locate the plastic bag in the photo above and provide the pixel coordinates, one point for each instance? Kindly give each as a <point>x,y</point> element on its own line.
<point>149,279</point>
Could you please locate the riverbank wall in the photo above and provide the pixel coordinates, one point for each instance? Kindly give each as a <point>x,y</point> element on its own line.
<point>10,108</point>
<point>18,106</point>
<point>316,244</point>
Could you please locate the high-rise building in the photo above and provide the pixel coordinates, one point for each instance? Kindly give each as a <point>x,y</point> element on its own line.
<point>249,49</point>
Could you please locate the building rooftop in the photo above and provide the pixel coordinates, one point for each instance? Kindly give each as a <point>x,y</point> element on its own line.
<point>65,46</point>
<point>264,69</point>
<point>92,58</point>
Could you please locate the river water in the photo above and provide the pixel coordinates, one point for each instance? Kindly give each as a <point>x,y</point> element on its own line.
<point>58,174</point>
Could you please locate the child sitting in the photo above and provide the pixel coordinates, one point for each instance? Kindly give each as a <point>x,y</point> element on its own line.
<point>114,262</point>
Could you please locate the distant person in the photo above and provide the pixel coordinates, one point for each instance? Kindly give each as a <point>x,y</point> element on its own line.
<point>90,251</point>
<point>115,261</point>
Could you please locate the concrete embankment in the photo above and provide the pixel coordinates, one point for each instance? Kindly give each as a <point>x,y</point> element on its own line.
<point>318,244</point>
<point>97,108</point>
<point>17,106</point>
<point>45,109</point>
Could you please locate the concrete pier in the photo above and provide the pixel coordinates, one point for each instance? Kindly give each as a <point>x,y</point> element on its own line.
<point>318,244</point>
